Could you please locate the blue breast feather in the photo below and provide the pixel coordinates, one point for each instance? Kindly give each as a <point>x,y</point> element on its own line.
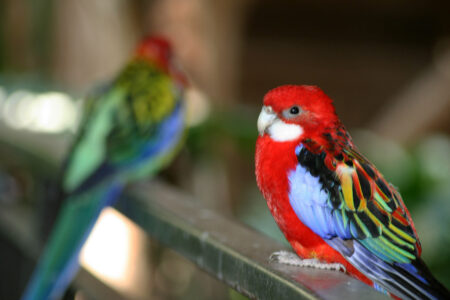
<point>311,204</point>
<point>168,134</point>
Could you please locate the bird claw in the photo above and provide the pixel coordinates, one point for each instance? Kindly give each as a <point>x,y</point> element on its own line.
<point>289,258</point>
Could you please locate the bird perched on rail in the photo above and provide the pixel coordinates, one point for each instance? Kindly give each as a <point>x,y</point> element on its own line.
<point>333,206</point>
<point>131,129</point>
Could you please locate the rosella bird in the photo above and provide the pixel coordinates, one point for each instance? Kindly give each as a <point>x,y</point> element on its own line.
<point>131,129</point>
<point>333,206</point>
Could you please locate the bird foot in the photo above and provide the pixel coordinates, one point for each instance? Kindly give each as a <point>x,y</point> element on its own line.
<point>289,258</point>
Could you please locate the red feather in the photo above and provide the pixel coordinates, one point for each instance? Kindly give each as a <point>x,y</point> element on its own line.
<point>367,203</point>
<point>273,161</point>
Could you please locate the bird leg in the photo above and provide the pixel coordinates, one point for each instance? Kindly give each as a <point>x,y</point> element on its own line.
<point>289,258</point>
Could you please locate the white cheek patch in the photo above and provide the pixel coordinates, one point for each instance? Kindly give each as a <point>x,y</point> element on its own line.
<point>283,132</point>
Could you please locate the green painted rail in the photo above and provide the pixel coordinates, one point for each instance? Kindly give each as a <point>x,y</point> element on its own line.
<point>230,251</point>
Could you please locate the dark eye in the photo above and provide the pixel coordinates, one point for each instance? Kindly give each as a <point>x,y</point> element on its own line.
<point>294,110</point>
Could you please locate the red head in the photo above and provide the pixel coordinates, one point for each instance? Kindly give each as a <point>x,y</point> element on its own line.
<point>158,50</point>
<point>294,111</point>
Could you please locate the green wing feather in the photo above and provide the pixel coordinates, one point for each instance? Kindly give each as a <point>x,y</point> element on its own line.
<point>376,214</point>
<point>120,121</point>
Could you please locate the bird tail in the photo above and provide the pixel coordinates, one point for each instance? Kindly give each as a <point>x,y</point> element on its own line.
<point>417,278</point>
<point>59,261</point>
<point>49,209</point>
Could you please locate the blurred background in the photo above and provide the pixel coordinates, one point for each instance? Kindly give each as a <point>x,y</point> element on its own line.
<point>386,64</point>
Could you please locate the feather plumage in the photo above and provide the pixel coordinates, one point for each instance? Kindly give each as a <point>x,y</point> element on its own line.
<point>131,129</point>
<point>331,202</point>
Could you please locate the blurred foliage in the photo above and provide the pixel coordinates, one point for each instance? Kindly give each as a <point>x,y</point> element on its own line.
<point>13,81</point>
<point>236,125</point>
<point>2,36</point>
<point>42,11</point>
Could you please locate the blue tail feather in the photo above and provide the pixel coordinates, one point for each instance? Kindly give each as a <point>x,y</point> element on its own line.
<point>419,274</point>
<point>406,280</point>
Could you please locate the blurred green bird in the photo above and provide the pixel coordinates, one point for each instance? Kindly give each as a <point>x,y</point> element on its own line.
<point>130,130</point>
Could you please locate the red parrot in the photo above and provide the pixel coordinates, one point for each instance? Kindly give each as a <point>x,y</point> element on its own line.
<point>333,206</point>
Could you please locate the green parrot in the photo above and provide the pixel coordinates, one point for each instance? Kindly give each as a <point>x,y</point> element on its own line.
<point>131,129</point>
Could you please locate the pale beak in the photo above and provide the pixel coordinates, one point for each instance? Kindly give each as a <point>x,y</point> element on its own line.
<point>265,119</point>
